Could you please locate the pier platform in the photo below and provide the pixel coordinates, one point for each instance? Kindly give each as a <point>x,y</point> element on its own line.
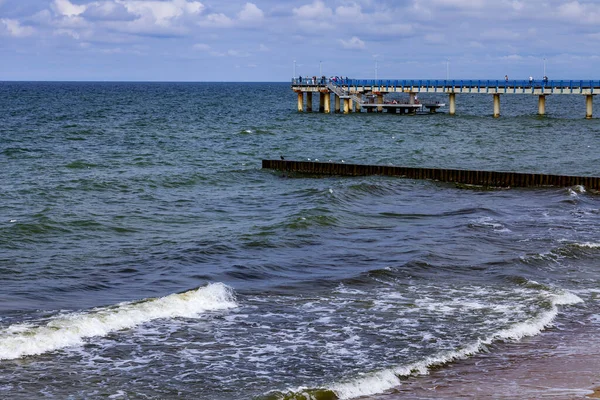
<point>353,93</point>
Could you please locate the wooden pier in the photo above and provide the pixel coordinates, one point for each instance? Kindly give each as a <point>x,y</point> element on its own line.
<point>358,94</point>
<point>467,177</point>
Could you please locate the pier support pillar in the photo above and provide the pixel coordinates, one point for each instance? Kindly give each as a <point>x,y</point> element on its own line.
<point>452,101</point>
<point>347,106</point>
<point>300,101</point>
<point>542,105</point>
<point>327,105</point>
<point>411,97</point>
<point>337,103</point>
<point>309,97</point>
<point>379,101</point>
<point>589,99</point>
<point>357,104</point>
<point>321,102</point>
<point>496,105</point>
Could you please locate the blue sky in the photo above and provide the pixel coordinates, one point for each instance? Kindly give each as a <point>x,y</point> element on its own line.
<point>231,40</point>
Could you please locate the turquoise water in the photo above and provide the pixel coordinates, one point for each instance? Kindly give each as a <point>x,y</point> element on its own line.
<point>145,253</point>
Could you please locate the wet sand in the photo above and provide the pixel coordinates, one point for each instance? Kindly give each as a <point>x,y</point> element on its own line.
<point>561,363</point>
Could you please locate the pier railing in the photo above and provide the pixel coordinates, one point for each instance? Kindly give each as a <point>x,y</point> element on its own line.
<point>572,85</point>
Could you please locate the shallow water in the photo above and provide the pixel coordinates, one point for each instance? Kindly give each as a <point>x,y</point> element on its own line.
<point>145,253</point>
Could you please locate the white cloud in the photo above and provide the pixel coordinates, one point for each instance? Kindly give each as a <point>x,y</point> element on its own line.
<point>67,32</point>
<point>354,43</point>
<point>216,21</point>
<point>67,9</point>
<point>237,53</point>
<point>163,12</point>
<point>251,13</point>
<point>14,28</point>
<point>262,47</point>
<point>107,10</point>
<point>316,10</point>
<point>201,47</point>
<point>353,11</point>
<point>461,4</point>
<point>577,12</point>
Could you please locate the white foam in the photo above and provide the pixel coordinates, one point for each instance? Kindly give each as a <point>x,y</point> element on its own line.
<point>71,329</point>
<point>387,379</point>
<point>588,245</point>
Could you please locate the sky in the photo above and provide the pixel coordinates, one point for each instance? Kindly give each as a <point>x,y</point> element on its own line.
<point>270,41</point>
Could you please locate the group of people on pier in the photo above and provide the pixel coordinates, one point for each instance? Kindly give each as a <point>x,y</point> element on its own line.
<point>323,80</point>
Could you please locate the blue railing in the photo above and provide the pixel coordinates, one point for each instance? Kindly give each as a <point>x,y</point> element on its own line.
<point>454,83</point>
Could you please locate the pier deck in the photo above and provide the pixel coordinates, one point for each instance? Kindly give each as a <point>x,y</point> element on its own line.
<point>352,91</point>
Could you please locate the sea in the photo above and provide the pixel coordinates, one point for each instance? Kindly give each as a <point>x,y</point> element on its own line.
<point>145,253</point>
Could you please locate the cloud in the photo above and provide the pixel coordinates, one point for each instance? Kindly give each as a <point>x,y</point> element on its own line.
<point>162,13</point>
<point>217,21</point>
<point>316,10</point>
<point>201,47</point>
<point>577,12</point>
<point>107,10</point>
<point>353,44</point>
<point>353,11</point>
<point>460,4</point>
<point>14,28</point>
<point>67,9</point>
<point>251,13</point>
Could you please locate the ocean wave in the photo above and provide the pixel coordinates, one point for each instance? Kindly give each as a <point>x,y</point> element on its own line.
<point>66,330</point>
<point>381,381</point>
<point>567,250</point>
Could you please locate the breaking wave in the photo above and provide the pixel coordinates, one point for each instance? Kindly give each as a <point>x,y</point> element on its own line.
<point>65,330</point>
<point>381,381</point>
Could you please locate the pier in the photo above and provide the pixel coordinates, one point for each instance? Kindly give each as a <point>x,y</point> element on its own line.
<point>354,95</point>
<point>467,177</point>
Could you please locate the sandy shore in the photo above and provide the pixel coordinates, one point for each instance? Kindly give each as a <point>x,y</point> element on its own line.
<point>558,364</point>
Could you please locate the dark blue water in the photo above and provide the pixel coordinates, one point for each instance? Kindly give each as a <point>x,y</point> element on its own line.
<point>145,253</point>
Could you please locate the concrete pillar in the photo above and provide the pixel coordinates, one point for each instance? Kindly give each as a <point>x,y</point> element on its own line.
<point>347,106</point>
<point>309,96</point>
<point>496,105</point>
<point>411,97</point>
<point>452,101</point>
<point>357,104</point>
<point>300,101</point>
<point>327,105</point>
<point>542,105</point>
<point>379,101</point>
<point>589,99</point>
<point>321,102</point>
<point>337,103</point>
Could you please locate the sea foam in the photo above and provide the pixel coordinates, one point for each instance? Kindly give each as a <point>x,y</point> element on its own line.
<point>387,379</point>
<point>71,329</point>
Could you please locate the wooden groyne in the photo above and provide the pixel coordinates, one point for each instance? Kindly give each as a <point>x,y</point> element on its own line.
<point>468,177</point>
